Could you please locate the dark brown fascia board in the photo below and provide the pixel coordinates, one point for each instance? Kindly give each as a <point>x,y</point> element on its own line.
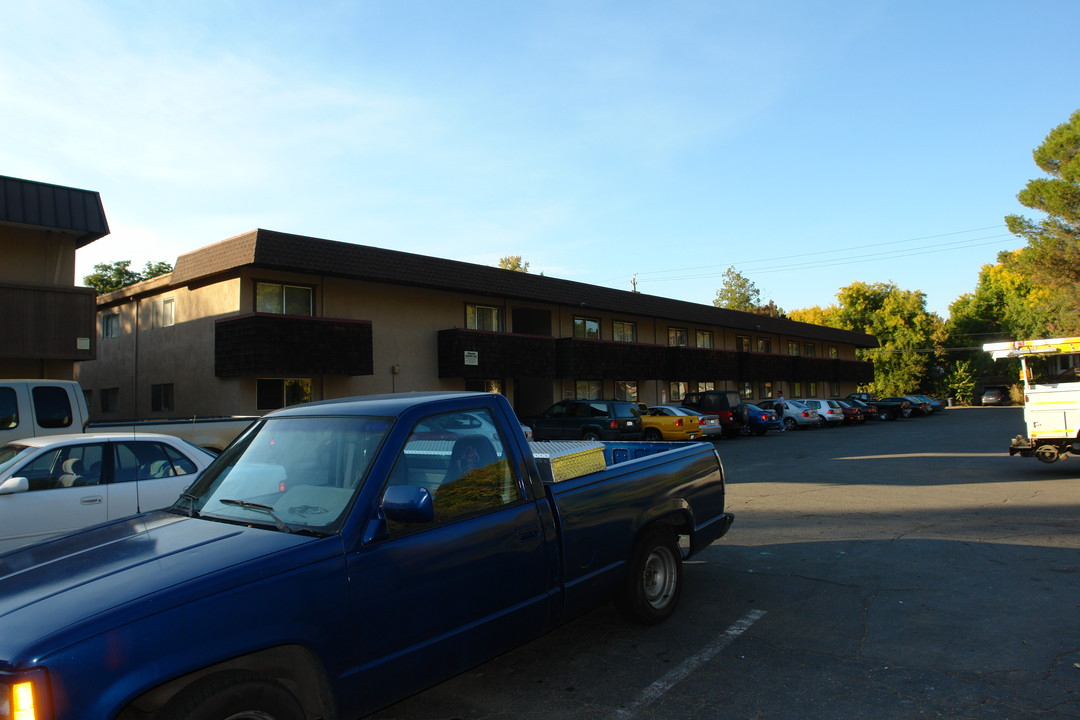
<point>38,205</point>
<point>297,253</point>
<point>136,290</point>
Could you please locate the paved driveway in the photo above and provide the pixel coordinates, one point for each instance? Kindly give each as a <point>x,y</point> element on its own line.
<point>908,569</point>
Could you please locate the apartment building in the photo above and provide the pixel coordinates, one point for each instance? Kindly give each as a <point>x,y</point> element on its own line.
<point>267,319</point>
<point>48,323</point>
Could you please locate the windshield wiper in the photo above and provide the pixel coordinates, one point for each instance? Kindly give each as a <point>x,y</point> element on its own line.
<point>278,522</point>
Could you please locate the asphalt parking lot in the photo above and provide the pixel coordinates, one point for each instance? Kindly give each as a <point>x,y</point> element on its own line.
<point>908,569</point>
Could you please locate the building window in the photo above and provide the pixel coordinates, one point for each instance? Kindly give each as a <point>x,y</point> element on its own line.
<point>706,386</point>
<point>811,389</point>
<point>809,350</point>
<point>764,345</point>
<point>746,390</point>
<point>834,353</point>
<point>161,397</point>
<point>703,338</point>
<point>742,343</point>
<point>796,389</point>
<point>677,337</point>
<point>677,391</point>
<point>587,328</point>
<point>623,331</point>
<point>792,348</point>
<point>282,299</point>
<point>626,390</point>
<point>165,313</point>
<point>110,400</point>
<point>766,390</point>
<point>488,386</point>
<point>834,389</point>
<point>274,393</point>
<point>483,317</point>
<point>588,389</point>
<point>110,325</point>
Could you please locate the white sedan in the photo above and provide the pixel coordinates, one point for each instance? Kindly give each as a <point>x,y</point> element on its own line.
<point>58,483</point>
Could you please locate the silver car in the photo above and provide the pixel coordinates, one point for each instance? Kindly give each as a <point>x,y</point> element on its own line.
<point>830,411</point>
<point>794,415</point>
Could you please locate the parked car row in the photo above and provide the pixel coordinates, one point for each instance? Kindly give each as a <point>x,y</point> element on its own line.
<point>712,414</point>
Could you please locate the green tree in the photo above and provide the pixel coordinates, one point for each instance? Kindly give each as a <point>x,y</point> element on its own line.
<point>1051,260</point>
<point>909,336</point>
<point>514,262</point>
<point>739,293</point>
<point>113,276</point>
<point>815,315</point>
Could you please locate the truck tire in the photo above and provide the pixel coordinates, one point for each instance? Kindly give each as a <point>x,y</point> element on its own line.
<point>235,695</point>
<point>1048,453</point>
<point>653,434</point>
<point>653,582</point>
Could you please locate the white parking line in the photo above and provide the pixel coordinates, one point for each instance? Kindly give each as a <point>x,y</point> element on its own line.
<point>655,691</point>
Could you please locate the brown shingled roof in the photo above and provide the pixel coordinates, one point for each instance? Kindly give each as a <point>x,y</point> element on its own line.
<point>270,249</point>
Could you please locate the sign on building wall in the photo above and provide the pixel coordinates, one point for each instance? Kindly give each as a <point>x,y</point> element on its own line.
<point>472,357</point>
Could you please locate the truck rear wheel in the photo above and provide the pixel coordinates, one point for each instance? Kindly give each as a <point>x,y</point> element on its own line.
<point>653,582</point>
<point>234,695</point>
<point>1048,453</point>
<point>653,434</point>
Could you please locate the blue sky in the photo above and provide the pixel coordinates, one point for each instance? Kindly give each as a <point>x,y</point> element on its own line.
<point>809,144</point>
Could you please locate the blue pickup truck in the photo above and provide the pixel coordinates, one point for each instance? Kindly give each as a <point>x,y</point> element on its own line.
<point>341,555</point>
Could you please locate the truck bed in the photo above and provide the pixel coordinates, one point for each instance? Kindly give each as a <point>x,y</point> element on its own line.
<point>599,513</point>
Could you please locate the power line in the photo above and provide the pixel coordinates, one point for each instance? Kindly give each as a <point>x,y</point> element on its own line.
<point>817,264</point>
<point>804,264</point>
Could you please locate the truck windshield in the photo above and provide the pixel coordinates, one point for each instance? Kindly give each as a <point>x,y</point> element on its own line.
<point>295,473</point>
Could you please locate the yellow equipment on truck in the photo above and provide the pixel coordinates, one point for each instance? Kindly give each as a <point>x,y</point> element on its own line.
<point>1051,404</point>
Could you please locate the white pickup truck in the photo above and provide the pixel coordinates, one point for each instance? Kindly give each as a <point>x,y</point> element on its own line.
<point>32,408</point>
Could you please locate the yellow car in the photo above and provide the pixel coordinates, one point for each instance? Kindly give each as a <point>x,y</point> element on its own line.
<point>657,425</point>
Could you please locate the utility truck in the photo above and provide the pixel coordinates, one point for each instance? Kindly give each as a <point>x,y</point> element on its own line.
<point>1048,371</point>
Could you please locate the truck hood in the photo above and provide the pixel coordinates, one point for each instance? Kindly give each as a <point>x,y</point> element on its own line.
<point>119,572</point>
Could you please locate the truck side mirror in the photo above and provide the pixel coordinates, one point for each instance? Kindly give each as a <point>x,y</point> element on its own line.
<point>14,485</point>
<point>408,504</point>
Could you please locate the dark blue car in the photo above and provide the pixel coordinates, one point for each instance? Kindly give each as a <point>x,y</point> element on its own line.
<point>758,420</point>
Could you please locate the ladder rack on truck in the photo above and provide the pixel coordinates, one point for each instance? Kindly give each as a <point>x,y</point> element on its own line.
<point>1051,408</point>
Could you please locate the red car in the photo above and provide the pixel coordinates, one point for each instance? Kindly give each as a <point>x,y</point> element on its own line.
<point>870,412</point>
<point>853,414</point>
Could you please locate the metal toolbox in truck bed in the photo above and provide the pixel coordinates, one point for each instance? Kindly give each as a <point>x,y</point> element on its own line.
<point>560,461</point>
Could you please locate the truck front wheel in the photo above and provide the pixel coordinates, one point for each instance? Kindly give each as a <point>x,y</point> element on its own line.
<point>653,582</point>
<point>235,695</point>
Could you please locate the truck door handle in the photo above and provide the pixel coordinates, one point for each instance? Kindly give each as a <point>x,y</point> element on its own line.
<point>529,532</point>
<point>92,500</point>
